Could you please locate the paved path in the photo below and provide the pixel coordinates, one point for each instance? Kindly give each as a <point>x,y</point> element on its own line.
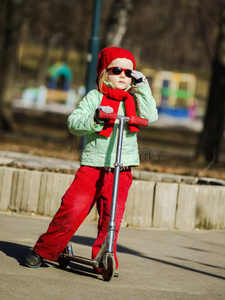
<point>153,265</point>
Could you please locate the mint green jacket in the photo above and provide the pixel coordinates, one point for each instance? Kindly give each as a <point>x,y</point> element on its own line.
<point>100,151</point>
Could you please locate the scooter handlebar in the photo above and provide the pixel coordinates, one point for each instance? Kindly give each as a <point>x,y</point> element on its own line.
<point>138,121</point>
<point>103,115</point>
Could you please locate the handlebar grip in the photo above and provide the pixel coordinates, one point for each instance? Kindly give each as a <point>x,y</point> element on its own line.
<point>133,119</point>
<point>103,115</point>
<point>138,121</point>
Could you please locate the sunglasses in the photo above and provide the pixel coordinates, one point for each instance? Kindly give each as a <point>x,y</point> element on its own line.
<point>118,71</point>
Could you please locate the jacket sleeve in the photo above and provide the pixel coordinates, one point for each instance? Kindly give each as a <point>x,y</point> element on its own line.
<point>146,103</point>
<point>81,121</point>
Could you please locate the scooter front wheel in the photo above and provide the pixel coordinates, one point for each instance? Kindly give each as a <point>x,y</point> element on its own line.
<point>108,273</point>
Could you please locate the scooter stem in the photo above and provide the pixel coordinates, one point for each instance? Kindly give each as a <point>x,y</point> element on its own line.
<point>118,164</point>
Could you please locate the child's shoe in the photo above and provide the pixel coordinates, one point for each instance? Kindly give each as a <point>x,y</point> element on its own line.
<point>33,260</point>
<point>116,274</point>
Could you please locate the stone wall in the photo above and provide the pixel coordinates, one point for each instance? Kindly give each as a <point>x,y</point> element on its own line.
<point>154,200</point>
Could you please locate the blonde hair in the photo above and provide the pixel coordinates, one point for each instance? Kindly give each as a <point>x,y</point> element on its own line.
<point>101,78</point>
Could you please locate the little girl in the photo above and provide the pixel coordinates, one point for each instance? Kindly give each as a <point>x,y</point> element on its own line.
<point>121,90</point>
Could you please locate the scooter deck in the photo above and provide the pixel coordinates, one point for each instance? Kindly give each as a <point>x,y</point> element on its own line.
<point>82,260</point>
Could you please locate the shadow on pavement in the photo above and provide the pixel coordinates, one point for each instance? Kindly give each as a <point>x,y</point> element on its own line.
<point>189,260</point>
<point>19,252</point>
<point>90,241</point>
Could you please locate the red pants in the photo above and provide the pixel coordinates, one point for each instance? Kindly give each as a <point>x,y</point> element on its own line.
<point>90,185</point>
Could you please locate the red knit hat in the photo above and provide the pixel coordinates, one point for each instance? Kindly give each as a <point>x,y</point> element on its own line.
<point>107,55</point>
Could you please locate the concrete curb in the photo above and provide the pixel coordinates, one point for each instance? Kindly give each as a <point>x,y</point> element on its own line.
<point>156,204</point>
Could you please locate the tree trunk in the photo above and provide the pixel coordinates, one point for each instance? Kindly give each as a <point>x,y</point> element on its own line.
<point>11,27</point>
<point>214,119</point>
<point>118,21</point>
<point>67,47</point>
<point>41,76</point>
<point>212,134</point>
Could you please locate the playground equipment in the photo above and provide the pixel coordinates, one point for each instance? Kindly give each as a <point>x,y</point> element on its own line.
<point>174,92</point>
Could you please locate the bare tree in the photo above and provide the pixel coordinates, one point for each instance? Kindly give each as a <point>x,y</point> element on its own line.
<point>59,24</point>
<point>212,134</point>
<point>118,22</point>
<point>11,24</point>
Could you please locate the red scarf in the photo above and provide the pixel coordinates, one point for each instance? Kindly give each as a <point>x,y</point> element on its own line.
<point>112,98</point>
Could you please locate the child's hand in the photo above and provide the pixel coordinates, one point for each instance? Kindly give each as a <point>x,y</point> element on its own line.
<point>105,109</point>
<point>138,77</point>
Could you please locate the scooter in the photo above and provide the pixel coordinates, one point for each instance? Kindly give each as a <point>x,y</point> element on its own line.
<point>105,257</point>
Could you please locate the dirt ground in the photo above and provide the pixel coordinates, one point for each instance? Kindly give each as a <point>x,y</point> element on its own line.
<point>157,159</point>
<point>167,149</point>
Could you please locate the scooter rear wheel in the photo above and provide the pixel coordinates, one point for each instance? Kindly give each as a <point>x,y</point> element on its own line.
<point>108,273</point>
<point>63,262</point>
